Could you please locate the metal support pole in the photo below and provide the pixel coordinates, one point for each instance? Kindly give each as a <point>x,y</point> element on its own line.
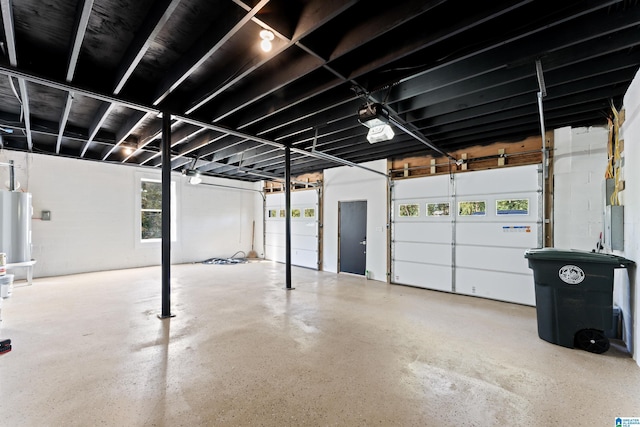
<point>166,217</point>
<point>287,205</point>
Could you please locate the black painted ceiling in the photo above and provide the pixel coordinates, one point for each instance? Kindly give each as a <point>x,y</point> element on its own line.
<point>87,78</point>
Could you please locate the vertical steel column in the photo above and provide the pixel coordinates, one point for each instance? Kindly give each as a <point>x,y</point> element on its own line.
<point>287,206</point>
<point>166,216</point>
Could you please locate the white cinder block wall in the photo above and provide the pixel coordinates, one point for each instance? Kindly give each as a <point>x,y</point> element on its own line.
<point>345,184</point>
<point>579,163</point>
<point>95,215</point>
<point>627,287</point>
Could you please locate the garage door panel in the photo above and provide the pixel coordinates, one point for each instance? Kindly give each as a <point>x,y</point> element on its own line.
<point>492,258</point>
<point>274,227</point>
<point>488,248</point>
<point>431,187</point>
<point>520,235</point>
<point>423,276</point>
<point>504,180</point>
<point>299,242</point>
<point>304,258</point>
<point>437,232</point>
<point>274,239</point>
<point>275,253</point>
<point>504,286</point>
<point>424,253</point>
<point>304,230</point>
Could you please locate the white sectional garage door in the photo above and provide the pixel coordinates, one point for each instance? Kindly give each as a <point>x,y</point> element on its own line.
<point>467,233</point>
<point>304,228</point>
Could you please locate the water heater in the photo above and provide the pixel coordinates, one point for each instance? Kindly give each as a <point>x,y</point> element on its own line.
<point>15,225</point>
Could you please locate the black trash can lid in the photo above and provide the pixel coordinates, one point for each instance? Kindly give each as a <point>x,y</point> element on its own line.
<point>575,255</point>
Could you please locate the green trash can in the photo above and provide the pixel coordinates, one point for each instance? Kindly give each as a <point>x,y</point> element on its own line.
<point>574,296</point>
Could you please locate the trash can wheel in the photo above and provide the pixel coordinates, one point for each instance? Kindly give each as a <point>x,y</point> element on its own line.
<point>592,340</point>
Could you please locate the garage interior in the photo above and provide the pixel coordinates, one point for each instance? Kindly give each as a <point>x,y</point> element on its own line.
<point>377,269</point>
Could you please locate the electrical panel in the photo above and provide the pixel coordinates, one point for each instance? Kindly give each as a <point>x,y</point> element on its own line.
<point>614,227</point>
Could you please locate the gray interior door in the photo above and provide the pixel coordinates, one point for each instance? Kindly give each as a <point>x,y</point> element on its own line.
<point>353,237</point>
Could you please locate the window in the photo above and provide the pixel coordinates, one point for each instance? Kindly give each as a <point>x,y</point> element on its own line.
<point>438,209</point>
<point>295,213</point>
<point>151,210</point>
<point>282,215</point>
<point>409,210</point>
<point>512,207</point>
<point>272,213</point>
<point>472,208</point>
<point>309,213</point>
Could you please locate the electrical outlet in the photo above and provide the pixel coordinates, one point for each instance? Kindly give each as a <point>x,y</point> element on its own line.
<point>46,215</point>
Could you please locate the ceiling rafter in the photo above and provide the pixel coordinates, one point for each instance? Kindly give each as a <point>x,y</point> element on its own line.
<point>195,58</point>
<point>521,45</point>
<point>156,19</point>
<point>183,134</point>
<point>103,112</point>
<point>133,122</point>
<point>80,28</point>
<point>463,78</point>
<point>10,37</point>
<point>150,28</point>
<point>314,14</point>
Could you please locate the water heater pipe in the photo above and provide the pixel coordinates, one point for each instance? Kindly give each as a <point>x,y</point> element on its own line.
<point>12,175</point>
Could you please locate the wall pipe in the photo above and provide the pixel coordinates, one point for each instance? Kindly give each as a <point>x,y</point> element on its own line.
<point>12,176</point>
<point>545,152</point>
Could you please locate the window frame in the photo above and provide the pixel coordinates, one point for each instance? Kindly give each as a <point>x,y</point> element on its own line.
<point>174,212</point>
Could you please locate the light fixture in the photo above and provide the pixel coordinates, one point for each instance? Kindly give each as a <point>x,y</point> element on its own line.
<point>129,147</point>
<point>194,176</point>
<point>267,37</point>
<point>376,118</point>
<point>379,134</point>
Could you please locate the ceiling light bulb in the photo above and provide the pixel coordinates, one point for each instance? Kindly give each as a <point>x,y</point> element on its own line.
<point>128,151</point>
<point>266,35</point>
<point>195,180</point>
<point>265,45</point>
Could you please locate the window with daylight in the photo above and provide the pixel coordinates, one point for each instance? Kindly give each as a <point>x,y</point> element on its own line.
<point>472,208</point>
<point>295,213</point>
<point>151,210</point>
<point>512,207</point>
<point>309,213</point>
<point>409,210</point>
<point>438,209</point>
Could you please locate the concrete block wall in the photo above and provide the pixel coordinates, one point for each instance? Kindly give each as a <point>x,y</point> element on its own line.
<point>95,215</point>
<point>626,286</point>
<point>579,163</point>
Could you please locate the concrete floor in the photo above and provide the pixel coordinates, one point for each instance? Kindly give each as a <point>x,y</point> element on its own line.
<point>338,350</point>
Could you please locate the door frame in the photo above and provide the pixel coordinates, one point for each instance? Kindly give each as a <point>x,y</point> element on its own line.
<point>340,236</point>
